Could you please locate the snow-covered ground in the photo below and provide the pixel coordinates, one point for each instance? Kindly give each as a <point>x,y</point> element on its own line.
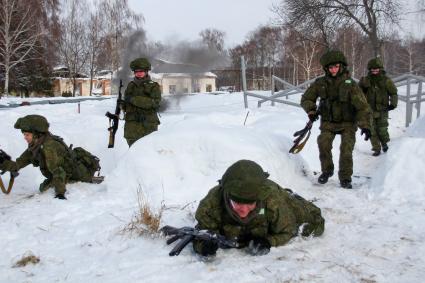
<point>374,233</point>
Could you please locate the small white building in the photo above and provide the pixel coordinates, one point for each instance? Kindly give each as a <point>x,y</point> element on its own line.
<point>178,78</point>
<point>177,83</point>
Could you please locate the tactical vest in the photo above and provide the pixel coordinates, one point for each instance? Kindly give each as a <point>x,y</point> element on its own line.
<point>376,92</point>
<point>133,113</point>
<point>335,99</point>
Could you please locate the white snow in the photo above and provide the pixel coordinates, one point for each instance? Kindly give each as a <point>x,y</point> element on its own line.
<point>374,233</point>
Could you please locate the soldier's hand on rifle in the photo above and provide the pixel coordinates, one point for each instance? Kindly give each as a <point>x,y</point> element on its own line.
<point>312,116</point>
<point>3,157</point>
<point>259,246</point>
<point>205,248</point>
<point>391,107</point>
<point>367,133</point>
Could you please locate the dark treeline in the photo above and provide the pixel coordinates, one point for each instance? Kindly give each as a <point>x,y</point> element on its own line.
<point>36,36</point>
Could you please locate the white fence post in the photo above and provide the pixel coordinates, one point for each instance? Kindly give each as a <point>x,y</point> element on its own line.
<point>245,98</point>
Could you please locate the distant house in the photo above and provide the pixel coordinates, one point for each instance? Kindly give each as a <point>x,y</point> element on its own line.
<point>63,85</point>
<point>178,78</point>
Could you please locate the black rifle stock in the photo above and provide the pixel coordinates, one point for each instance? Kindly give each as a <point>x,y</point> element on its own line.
<point>188,234</point>
<point>13,174</point>
<point>114,118</point>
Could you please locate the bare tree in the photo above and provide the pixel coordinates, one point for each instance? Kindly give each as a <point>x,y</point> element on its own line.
<point>369,15</point>
<point>72,45</point>
<point>18,36</point>
<point>310,18</point>
<point>304,53</point>
<point>214,38</point>
<point>95,41</point>
<point>121,21</point>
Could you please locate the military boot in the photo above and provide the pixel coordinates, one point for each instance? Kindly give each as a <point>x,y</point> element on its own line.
<point>346,184</point>
<point>384,147</point>
<point>376,152</point>
<point>323,178</point>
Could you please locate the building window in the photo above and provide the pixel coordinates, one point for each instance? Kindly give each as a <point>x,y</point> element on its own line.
<point>209,88</point>
<point>172,89</point>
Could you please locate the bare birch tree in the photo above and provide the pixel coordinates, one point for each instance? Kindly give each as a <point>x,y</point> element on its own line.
<point>18,36</point>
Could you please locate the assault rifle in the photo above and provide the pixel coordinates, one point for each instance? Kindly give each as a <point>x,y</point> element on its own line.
<point>302,136</point>
<point>3,157</point>
<point>188,234</point>
<point>114,118</point>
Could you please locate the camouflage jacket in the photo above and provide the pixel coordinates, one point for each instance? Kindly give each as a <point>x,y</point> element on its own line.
<point>341,101</point>
<point>52,156</point>
<point>142,99</point>
<point>277,218</point>
<point>380,91</point>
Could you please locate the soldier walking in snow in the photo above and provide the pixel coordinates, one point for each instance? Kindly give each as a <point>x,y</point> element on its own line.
<point>342,108</point>
<point>59,163</point>
<point>381,94</point>
<point>141,103</point>
<point>254,211</point>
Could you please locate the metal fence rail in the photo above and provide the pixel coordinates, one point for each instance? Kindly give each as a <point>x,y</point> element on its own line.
<point>411,98</point>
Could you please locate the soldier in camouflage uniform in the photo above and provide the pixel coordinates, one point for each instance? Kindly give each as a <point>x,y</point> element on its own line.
<point>255,211</point>
<point>50,153</point>
<point>343,108</point>
<point>141,103</point>
<point>381,94</point>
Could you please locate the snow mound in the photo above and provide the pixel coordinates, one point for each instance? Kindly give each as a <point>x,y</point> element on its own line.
<point>397,176</point>
<point>179,165</point>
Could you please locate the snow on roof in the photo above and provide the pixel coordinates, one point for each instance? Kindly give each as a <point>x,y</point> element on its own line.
<point>186,75</point>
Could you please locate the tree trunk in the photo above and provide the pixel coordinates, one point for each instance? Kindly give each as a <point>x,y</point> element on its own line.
<point>6,82</point>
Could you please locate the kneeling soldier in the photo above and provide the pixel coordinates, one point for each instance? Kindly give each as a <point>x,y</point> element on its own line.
<point>59,163</point>
<point>255,211</point>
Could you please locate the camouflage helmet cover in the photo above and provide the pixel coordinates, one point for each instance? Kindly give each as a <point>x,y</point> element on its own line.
<point>375,63</point>
<point>333,57</point>
<point>32,124</point>
<point>140,64</point>
<point>244,182</point>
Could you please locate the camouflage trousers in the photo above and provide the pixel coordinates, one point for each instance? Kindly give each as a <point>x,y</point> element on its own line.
<point>348,139</point>
<point>134,130</point>
<point>379,130</point>
<point>79,174</point>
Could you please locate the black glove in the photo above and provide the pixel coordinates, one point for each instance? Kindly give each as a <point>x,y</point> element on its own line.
<point>3,156</point>
<point>312,116</point>
<point>367,133</point>
<point>391,107</point>
<point>205,248</point>
<point>259,246</point>
<point>60,196</point>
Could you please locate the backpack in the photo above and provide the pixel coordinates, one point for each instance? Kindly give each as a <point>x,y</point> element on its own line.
<point>91,162</point>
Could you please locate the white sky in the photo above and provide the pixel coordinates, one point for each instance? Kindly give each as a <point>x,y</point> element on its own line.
<point>184,19</point>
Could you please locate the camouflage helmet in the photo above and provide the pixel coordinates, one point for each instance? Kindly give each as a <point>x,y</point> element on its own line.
<point>32,124</point>
<point>375,63</point>
<point>333,57</point>
<point>244,182</point>
<point>140,64</point>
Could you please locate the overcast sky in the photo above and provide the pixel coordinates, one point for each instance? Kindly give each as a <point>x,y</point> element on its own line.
<point>184,19</point>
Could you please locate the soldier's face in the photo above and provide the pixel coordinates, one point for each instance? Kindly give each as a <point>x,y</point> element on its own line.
<point>374,71</point>
<point>334,69</point>
<point>140,74</point>
<point>28,137</point>
<point>242,209</point>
